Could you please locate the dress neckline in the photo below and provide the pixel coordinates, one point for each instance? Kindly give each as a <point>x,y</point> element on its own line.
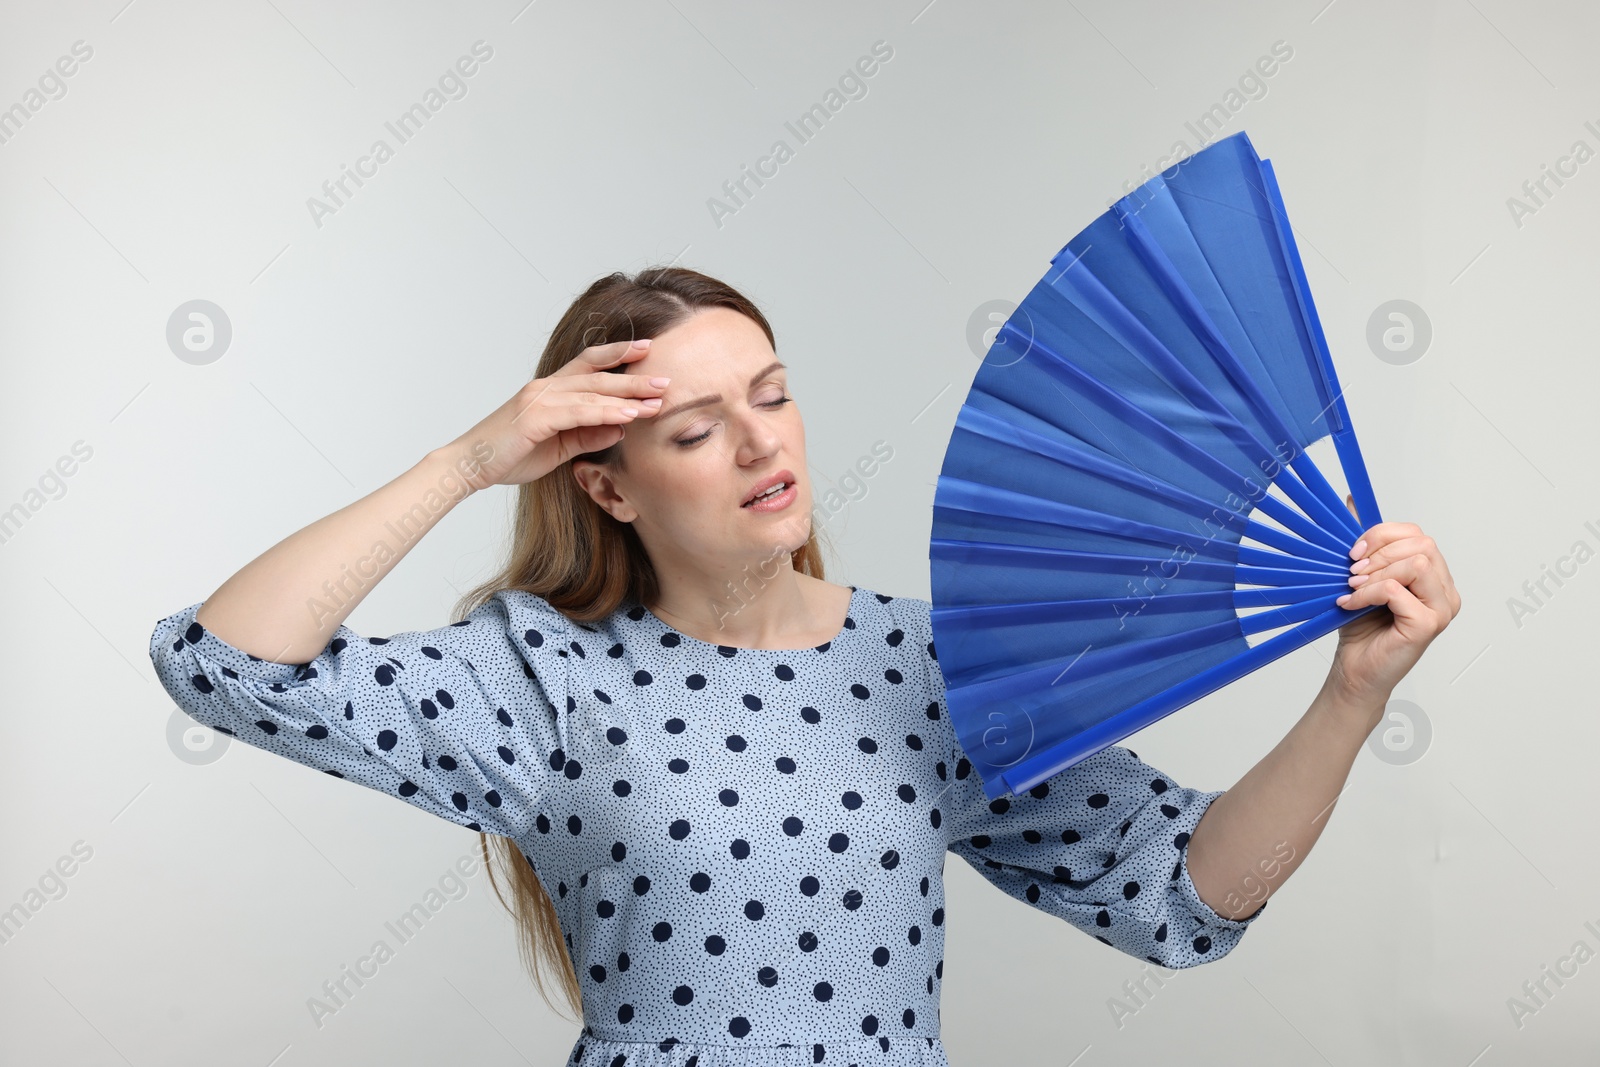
<point>856,592</point>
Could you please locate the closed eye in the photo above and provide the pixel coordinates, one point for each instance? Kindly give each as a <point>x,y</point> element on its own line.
<point>697,438</point>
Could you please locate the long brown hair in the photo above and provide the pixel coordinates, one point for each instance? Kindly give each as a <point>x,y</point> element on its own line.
<point>570,551</point>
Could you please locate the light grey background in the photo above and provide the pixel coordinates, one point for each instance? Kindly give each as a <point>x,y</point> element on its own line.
<point>177,166</point>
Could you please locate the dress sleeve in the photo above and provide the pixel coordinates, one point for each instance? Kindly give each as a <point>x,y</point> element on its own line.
<point>415,716</point>
<point>1102,844</point>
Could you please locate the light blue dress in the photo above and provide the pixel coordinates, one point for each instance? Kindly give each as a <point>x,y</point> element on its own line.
<point>745,847</point>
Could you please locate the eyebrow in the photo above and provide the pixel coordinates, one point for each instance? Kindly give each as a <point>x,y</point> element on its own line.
<point>716,398</point>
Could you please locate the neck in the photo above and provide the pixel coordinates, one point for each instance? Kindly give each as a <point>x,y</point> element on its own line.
<point>750,610</point>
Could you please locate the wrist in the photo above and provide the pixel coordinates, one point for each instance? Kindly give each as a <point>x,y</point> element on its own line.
<point>453,470</point>
<point>1356,711</point>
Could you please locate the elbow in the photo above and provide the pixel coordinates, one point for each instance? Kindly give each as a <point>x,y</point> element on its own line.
<point>1202,946</point>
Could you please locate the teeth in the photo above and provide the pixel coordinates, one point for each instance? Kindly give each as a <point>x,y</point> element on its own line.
<point>780,487</point>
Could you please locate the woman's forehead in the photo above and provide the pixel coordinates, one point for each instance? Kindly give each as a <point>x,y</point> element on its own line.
<point>709,349</point>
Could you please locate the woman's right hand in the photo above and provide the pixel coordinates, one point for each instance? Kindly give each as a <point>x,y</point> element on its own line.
<point>582,407</point>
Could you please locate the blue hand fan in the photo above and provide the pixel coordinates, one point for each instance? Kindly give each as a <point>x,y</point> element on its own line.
<point>1127,517</point>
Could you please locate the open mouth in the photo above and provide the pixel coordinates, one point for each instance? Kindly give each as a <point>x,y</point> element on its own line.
<point>770,489</point>
<point>769,494</point>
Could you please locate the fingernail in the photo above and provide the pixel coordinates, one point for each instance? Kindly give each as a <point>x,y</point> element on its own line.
<point>1342,599</point>
<point>642,344</point>
<point>630,411</point>
<point>1357,579</point>
<point>660,383</point>
<point>1356,551</point>
<point>651,401</point>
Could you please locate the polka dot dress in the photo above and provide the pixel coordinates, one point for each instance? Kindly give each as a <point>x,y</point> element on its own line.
<point>745,847</point>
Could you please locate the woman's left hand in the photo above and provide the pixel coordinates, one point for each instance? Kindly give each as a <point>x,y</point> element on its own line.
<point>1400,569</point>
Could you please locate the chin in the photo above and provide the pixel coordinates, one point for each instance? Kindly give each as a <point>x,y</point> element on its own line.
<point>789,536</point>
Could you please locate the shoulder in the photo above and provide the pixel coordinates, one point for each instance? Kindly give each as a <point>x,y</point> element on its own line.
<point>911,614</point>
<point>535,625</point>
<point>907,622</point>
<point>517,611</point>
<point>909,631</point>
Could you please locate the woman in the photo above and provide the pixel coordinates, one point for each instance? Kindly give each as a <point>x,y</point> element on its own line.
<point>722,787</point>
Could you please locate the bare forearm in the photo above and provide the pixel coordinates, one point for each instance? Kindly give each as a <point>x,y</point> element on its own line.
<point>285,605</point>
<point>1257,833</point>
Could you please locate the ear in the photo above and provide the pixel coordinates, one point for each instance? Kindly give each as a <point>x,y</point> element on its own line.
<point>596,480</point>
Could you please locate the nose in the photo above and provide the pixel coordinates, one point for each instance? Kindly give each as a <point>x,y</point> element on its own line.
<point>757,437</point>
